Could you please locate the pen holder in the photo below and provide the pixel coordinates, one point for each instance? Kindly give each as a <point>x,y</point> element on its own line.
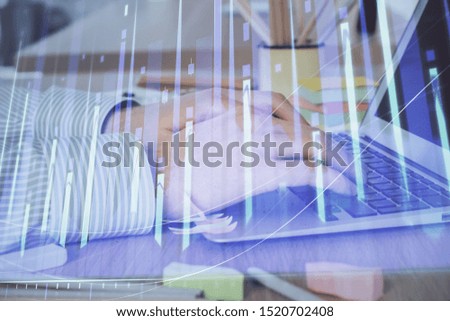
<point>278,64</point>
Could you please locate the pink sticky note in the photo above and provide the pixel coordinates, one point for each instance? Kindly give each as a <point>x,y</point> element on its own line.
<point>345,281</point>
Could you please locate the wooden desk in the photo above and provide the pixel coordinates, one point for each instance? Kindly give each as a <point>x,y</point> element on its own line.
<point>415,260</point>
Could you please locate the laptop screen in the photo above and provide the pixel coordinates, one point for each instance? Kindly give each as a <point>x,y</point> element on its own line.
<point>422,79</point>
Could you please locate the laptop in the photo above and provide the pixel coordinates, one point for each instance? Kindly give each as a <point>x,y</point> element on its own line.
<point>403,151</point>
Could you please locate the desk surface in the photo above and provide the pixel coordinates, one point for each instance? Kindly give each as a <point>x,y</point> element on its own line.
<point>395,250</point>
<point>415,261</point>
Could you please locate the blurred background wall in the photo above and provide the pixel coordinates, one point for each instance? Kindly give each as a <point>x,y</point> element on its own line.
<point>23,22</point>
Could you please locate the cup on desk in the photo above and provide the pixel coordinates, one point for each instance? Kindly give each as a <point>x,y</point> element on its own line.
<point>279,65</point>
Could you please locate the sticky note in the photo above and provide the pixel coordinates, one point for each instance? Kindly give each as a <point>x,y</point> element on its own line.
<point>217,283</point>
<point>345,281</point>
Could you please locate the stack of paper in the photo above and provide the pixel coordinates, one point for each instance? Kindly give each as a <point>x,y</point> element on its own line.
<point>324,102</point>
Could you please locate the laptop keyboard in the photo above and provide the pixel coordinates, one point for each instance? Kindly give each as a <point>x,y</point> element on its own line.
<point>386,191</point>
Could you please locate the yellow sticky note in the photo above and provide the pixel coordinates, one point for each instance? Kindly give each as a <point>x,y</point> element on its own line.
<point>217,283</point>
